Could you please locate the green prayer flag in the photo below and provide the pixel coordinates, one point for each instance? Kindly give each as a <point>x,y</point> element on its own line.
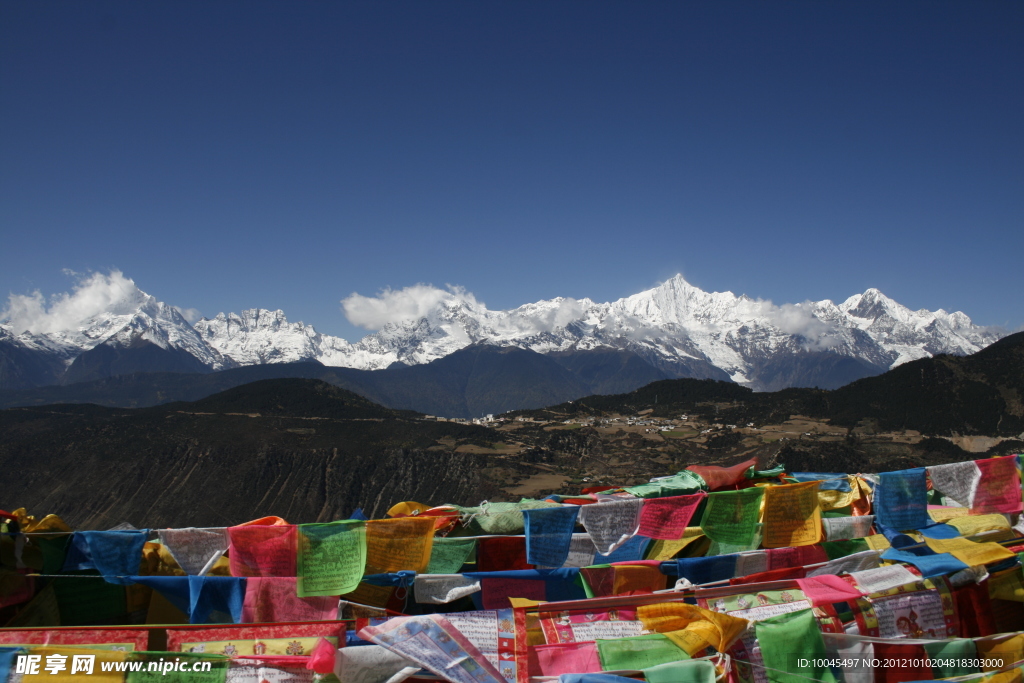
<point>331,558</point>
<point>447,555</point>
<point>792,648</point>
<point>952,652</point>
<point>638,652</point>
<point>163,673</point>
<point>681,484</point>
<point>689,671</point>
<point>500,518</point>
<point>731,517</point>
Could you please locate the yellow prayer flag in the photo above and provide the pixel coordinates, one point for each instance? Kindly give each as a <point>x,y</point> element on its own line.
<point>713,628</point>
<point>394,545</point>
<point>666,550</point>
<point>877,542</point>
<point>61,660</point>
<point>943,515</point>
<point>975,524</point>
<point>969,552</point>
<point>833,499</point>
<point>1008,650</point>
<point>792,515</point>
<point>1007,585</point>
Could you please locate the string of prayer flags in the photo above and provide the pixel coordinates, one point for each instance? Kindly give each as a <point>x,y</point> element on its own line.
<point>610,524</point>
<point>693,628</point>
<point>331,558</point>
<point>667,518</point>
<point>549,534</point>
<point>434,644</point>
<point>272,599</point>
<point>792,644</point>
<point>262,550</point>
<point>732,516</point>
<point>195,550</point>
<point>447,555</point>
<point>114,554</point>
<point>792,515</point>
<point>402,544</point>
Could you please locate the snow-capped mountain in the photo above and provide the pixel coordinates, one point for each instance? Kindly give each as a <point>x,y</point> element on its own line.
<point>676,327</point>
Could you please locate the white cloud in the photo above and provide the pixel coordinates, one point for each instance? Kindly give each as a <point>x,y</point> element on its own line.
<point>189,314</point>
<point>92,295</point>
<point>398,305</point>
<point>798,319</point>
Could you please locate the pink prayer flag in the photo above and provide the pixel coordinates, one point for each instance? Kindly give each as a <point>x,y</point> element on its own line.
<point>999,487</point>
<point>827,588</point>
<point>262,550</point>
<point>274,599</point>
<point>667,518</point>
<point>321,660</point>
<point>563,658</point>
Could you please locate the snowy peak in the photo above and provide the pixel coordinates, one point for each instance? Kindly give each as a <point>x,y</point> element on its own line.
<point>676,327</point>
<point>259,336</point>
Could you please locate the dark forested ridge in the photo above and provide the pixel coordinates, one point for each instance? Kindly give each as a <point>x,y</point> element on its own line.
<point>300,449</point>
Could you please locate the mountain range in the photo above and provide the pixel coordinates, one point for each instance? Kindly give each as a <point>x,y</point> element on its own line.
<point>674,330</point>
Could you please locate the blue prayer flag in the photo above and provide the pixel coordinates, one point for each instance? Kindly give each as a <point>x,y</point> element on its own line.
<point>548,534</point>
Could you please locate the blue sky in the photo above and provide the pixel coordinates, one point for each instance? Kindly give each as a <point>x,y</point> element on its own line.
<point>284,155</point>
